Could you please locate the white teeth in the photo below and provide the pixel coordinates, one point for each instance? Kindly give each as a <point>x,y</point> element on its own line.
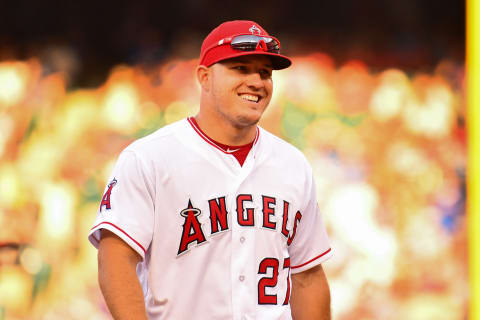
<point>249,97</point>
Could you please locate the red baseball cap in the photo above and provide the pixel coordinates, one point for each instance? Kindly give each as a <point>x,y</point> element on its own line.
<point>215,48</point>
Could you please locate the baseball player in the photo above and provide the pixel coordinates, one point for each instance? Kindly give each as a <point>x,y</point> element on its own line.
<point>212,217</point>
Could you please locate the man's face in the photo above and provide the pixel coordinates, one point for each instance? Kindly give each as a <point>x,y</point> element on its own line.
<point>241,89</point>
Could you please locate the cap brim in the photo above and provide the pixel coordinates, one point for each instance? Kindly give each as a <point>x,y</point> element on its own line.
<point>224,53</point>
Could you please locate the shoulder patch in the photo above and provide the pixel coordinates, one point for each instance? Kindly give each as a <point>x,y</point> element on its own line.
<point>106,197</point>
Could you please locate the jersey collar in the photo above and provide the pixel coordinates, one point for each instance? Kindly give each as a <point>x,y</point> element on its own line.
<point>212,142</point>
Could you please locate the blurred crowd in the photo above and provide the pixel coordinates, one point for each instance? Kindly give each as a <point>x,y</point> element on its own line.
<point>387,147</point>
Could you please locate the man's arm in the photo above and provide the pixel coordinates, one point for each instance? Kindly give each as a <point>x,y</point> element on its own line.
<point>310,295</point>
<point>117,277</point>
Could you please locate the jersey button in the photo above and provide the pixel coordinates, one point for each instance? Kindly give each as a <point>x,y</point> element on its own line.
<point>241,278</point>
<point>242,239</point>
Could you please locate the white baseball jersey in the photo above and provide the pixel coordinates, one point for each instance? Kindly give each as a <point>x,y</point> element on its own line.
<point>218,240</point>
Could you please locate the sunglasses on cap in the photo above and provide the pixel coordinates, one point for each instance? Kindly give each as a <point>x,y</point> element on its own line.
<point>250,42</point>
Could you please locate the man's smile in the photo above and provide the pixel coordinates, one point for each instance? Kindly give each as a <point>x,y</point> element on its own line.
<point>250,97</point>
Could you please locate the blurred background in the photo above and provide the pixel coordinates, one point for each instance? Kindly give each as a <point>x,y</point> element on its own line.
<point>375,99</point>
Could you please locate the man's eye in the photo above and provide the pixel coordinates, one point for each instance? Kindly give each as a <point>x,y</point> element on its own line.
<point>241,68</point>
<point>266,73</point>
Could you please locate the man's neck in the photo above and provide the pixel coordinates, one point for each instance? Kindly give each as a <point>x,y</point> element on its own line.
<point>224,132</point>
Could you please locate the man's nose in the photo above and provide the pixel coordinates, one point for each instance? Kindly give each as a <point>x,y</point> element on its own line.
<point>255,80</point>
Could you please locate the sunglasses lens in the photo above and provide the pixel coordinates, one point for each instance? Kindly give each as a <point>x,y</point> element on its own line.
<point>272,45</point>
<point>245,42</point>
<point>250,43</point>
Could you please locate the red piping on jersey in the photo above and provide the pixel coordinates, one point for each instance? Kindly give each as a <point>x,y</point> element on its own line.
<point>209,141</point>
<point>303,264</point>
<point>136,242</point>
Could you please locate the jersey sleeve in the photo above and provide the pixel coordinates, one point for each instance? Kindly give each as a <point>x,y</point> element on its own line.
<point>310,247</point>
<point>127,206</point>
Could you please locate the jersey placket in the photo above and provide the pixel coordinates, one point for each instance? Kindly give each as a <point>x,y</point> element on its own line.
<point>243,279</point>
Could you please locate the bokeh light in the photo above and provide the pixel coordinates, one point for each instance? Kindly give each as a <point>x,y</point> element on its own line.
<point>57,212</point>
<point>120,106</point>
<point>13,80</point>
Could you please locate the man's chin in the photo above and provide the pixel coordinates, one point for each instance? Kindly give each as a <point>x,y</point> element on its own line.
<point>242,122</point>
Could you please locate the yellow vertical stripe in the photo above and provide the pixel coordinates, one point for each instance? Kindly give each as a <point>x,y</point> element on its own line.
<point>473,166</point>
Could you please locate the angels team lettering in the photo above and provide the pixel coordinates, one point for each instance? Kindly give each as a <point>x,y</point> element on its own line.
<point>193,232</point>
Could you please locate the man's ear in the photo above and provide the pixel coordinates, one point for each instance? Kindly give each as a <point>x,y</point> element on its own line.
<point>203,77</point>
